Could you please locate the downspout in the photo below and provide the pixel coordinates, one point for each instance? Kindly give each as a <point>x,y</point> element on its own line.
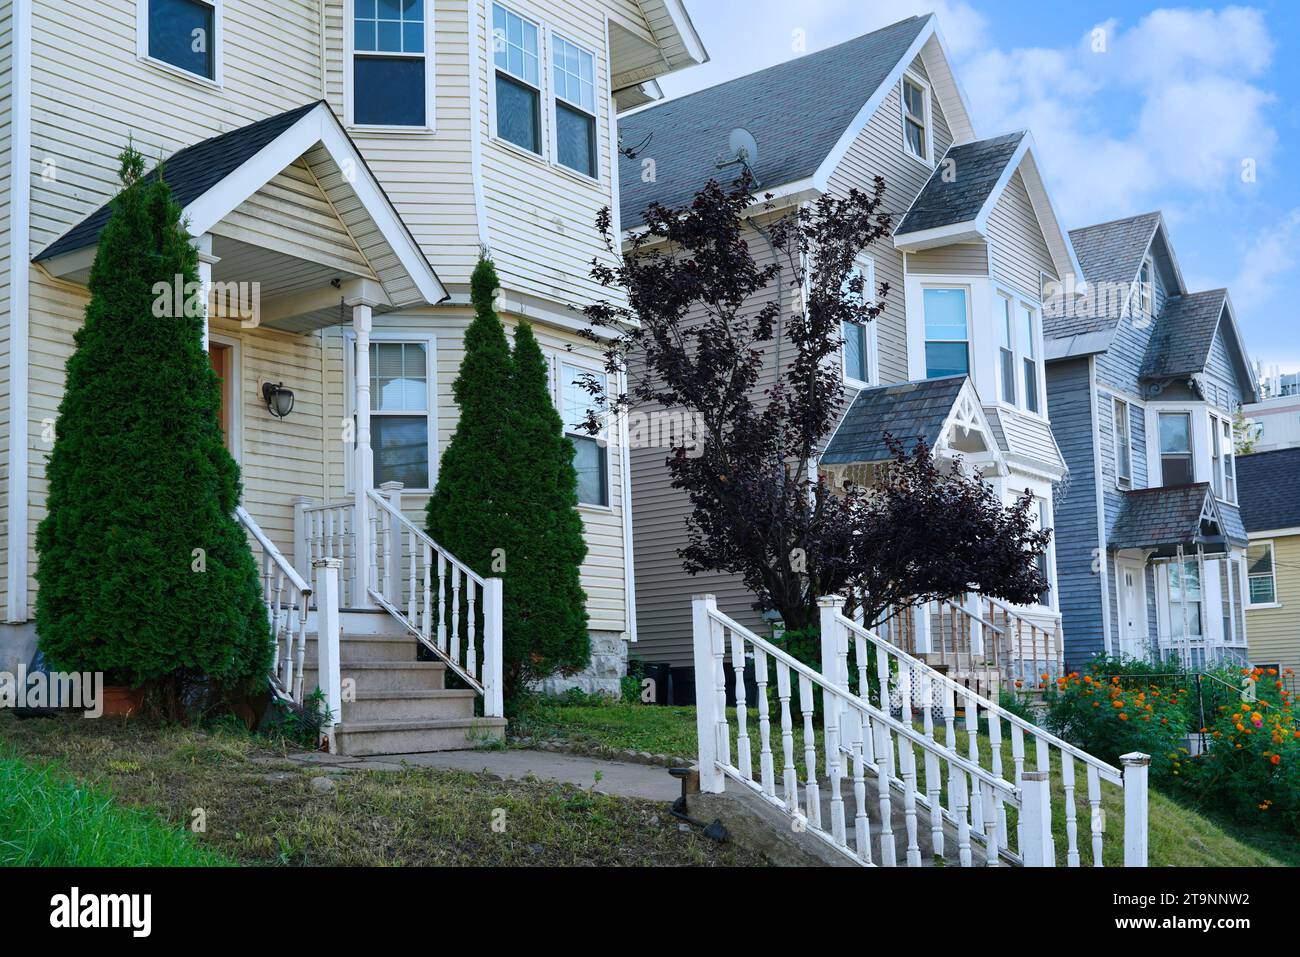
<point>20,211</point>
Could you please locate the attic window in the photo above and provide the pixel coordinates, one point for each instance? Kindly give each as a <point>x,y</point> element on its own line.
<point>916,118</point>
<point>1146,290</point>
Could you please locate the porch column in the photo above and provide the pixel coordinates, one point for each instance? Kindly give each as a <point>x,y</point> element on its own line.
<point>921,628</point>
<point>364,471</point>
<point>203,244</point>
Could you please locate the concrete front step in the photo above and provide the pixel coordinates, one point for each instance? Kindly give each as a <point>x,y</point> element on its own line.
<point>366,648</point>
<point>388,675</point>
<point>409,705</point>
<point>416,736</point>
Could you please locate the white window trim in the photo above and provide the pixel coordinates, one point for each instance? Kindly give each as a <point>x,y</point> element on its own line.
<point>870,340</point>
<point>217,80</point>
<point>1115,402</point>
<point>553,104</point>
<point>1044,504</point>
<point>1040,372</point>
<point>910,77</point>
<point>1272,559</point>
<point>970,324</point>
<point>1218,470</point>
<point>1200,437</point>
<point>543,89</point>
<point>558,361</point>
<point>1001,296</point>
<point>1146,293</point>
<point>430,342</point>
<point>430,75</point>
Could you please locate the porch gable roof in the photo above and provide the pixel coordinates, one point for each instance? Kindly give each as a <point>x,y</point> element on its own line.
<point>1166,517</point>
<point>213,177</point>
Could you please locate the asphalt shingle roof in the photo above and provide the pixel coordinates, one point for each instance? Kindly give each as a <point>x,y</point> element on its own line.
<point>1184,334</point>
<point>1170,516</point>
<point>909,412</point>
<point>190,173</point>
<point>958,197</point>
<point>1108,253</point>
<point>1268,489</point>
<point>796,111</point>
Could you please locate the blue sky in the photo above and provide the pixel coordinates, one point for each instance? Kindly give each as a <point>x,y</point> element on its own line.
<point>1167,114</point>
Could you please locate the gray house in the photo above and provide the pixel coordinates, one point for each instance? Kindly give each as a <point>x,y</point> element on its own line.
<point>1143,379</point>
<point>956,357</point>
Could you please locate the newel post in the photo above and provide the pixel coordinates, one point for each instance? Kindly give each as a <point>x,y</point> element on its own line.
<point>706,698</point>
<point>834,641</point>
<point>1035,820</point>
<point>329,629</point>
<point>921,628</point>
<point>1136,766</point>
<point>493,616</point>
<point>301,546</point>
<point>392,545</point>
<point>976,620</point>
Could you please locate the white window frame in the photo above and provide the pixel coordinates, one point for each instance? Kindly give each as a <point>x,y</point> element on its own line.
<point>1002,299</point>
<point>1122,481</point>
<point>1224,465</point>
<point>217,80</point>
<point>1046,514</point>
<point>928,130</point>
<point>1196,437</point>
<point>1023,354</point>
<point>1272,560</point>
<point>970,326</point>
<point>544,133</point>
<point>430,343</point>
<point>430,73</point>
<point>866,267</point>
<point>1146,291</point>
<point>558,361</point>
<point>553,104</point>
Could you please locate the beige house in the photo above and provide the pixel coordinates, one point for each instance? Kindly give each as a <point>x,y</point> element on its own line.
<point>340,165</point>
<point>956,357</point>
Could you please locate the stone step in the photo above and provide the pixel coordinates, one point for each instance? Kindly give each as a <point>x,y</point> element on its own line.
<point>366,648</point>
<point>416,736</point>
<point>388,675</point>
<point>409,705</point>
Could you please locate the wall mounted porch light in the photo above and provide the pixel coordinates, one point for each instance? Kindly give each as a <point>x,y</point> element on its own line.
<point>279,400</point>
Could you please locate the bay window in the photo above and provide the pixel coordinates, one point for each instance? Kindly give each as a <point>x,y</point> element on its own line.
<point>574,72</point>
<point>1185,600</point>
<point>590,452</point>
<point>401,404</point>
<point>1029,347</point>
<point>1175,430</point>
<point>390,75</point>
<point>947,332</point>
<point>1006,348</point>
<point>516,55</point>
<point>182,34</point>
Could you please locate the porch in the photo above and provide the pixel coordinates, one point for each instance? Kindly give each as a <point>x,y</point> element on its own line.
<point>297,244</point>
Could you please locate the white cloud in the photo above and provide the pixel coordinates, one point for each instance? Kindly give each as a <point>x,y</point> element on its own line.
<point>1271,257</point>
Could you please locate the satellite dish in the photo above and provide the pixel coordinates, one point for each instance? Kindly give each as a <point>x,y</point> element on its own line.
<point>742,150</point>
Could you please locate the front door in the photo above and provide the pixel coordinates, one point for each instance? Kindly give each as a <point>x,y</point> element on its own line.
<point>222,357</point>
<point>1133,609</point>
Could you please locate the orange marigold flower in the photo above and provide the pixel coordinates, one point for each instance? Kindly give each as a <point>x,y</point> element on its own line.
<point>1118,703</point>
<point>1276,759</point>
<point>1047,677</point>
<point>1123,717</point>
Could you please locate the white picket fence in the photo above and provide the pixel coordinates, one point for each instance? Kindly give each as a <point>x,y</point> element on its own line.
<point>888,718</point>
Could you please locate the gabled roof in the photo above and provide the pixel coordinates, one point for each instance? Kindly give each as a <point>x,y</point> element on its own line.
<point>212,178</point>
<point>909,412</point>
<point>1164,518</point>
<point>1184,334</point>
<point>1268,490</point>
<point>1026,438</point>
<point>962,184</point>
<point>190,173</point>
<point>957,200</point>
<point>799,113</point>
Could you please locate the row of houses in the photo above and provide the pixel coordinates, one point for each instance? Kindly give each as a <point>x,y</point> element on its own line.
<point>350,158</point>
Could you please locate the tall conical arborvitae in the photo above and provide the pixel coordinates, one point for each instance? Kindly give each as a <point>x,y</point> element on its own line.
<point>143,571</point>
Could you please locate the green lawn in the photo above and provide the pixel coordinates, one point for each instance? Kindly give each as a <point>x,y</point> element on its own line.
<point>1179,836</point>
<point>49,820</point>
<point>139,784</point>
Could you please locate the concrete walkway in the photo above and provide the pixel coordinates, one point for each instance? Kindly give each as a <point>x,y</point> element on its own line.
<point>617,778</point>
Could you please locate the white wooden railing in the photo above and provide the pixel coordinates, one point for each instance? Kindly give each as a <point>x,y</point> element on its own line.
<point>878,717</point>
<point>451,610</point>
<point>289,598</point>
<point>327,531</point>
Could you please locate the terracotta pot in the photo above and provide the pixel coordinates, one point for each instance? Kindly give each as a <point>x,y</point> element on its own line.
<point>120,700</point>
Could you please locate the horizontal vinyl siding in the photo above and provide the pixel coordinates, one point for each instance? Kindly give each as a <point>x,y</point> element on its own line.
<point>1273,634</point>
<point>1018,249</point>
<point>963,259</point>
<point>1079,586</point>
<point>878,151</point>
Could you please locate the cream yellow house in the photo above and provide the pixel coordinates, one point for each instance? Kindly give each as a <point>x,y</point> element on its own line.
<point>340,163</point>
<point>1270,507</point>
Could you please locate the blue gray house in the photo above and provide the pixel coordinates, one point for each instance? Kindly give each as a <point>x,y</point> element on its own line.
<point>1143,380</point>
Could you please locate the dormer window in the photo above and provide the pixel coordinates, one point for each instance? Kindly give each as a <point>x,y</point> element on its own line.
<point>182,34</point>
<point>1146,289</point>
<point>516,54</point>
<point>391,79</point>
<point>916,118</point>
